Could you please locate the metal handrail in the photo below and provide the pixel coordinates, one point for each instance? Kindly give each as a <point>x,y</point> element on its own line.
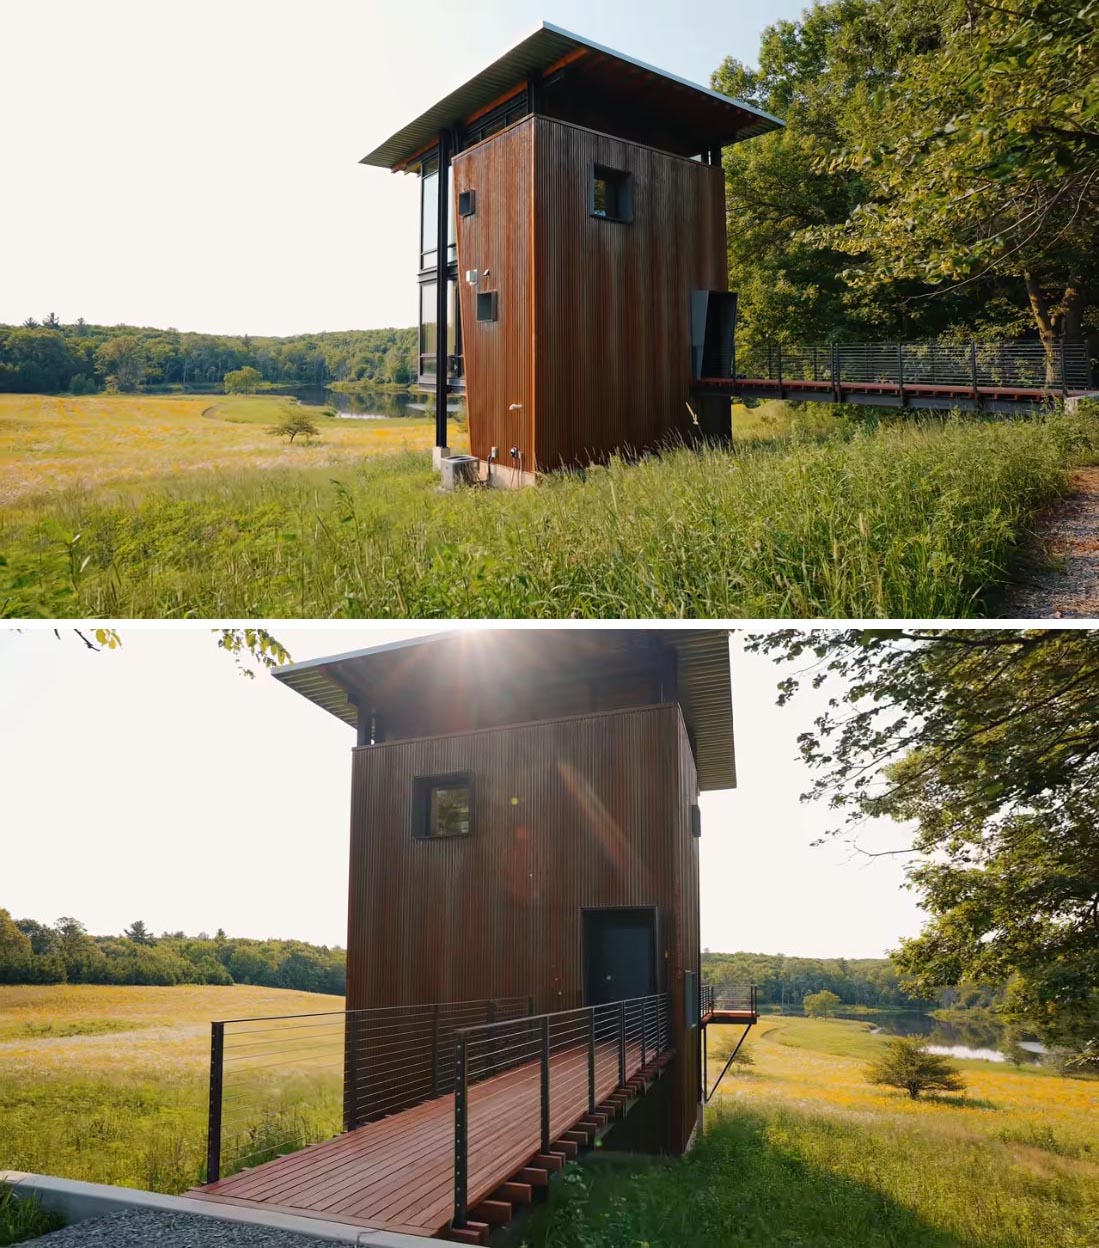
<point>1022,364</point>
<point>583,1039</point>
<point>355,1066</point>
<point>733,997</point>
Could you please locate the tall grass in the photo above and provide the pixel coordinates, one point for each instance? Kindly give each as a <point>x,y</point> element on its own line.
<point>22,1219</point>
<point>900,519</point>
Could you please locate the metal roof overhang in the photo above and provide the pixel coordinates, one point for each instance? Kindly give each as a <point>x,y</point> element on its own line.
<point>704,678</point>
<point>534,54</point>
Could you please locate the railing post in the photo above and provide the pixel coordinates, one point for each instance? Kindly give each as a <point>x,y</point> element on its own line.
<point>351,1089</point>
<point>461,1131</point>
<point>213,1124</point>
<point>644,1029</point>
<point>591,1060</point>
<point>1064,379</point>
<point>545,1055</point>
<point>778,353</point>
<point>973,372</point>
<point>900,371</point>
<point>435,1049</point>
<point>621,1043</point>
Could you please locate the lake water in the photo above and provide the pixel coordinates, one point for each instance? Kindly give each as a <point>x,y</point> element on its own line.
<point>370,404</point>
<point>983,1041</point>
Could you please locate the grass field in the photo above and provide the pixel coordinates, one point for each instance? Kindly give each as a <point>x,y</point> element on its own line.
<point>800,1150</point>
<point>821,515</point>
<point>50,444</point>
<point>110,1084</point>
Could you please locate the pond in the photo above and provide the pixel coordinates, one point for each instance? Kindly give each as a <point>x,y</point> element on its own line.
<point>978,1040</point>
<point>370,404</point>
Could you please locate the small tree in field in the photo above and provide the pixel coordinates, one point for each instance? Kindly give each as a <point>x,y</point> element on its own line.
<point>139,933</point>
<point>293,423</point>
<point>821,1004</point>
<point>905,1063</point>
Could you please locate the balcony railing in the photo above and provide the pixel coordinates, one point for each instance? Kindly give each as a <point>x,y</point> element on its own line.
<point>730,998</point>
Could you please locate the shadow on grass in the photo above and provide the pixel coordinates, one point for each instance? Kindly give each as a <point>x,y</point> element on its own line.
<point>742,1185</point>
<point>962,1102</point>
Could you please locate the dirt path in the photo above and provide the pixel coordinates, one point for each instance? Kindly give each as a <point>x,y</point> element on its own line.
<point>1069,535</point>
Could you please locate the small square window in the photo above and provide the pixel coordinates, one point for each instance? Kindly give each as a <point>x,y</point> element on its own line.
<point>486,305</point>
<point>611,194</point>
<point>467,203</point>
<point>442,806</point>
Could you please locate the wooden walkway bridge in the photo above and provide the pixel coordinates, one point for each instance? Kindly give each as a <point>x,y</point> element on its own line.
<point>973,376</point>
<point>507,1103</point>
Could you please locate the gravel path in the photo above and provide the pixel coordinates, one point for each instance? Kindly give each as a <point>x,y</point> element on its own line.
<point>146,1228</point>
<point>1069,534</point>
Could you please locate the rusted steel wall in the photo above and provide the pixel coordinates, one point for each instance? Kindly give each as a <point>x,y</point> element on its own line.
<point>568,813</point>
<point>498,355</point>
<point>613,360</point>
<point>687,1069</point>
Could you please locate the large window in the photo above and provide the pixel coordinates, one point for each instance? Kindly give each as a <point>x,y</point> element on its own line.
<point>429,213</point>
<point>429,330</point>
<point>442,806</point>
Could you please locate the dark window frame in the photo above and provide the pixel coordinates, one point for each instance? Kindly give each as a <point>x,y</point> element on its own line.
<point>422,789</point>
<point>620,181</point>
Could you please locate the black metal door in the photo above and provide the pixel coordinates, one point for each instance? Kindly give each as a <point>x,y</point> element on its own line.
<point>619,955</point>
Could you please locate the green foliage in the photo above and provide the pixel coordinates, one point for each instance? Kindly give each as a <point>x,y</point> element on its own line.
<point>244,380</point>
<point>981,156</point>
<point>22,1219</point>
<point>786,981</point>
<point>936,174</point>
<point>905,1063</point>
<point>32,953</point>
<point>898,518</point>
<point>83,358</point>
<point>821,1004</point>
<point>295,422</point>
<point>988,744</point>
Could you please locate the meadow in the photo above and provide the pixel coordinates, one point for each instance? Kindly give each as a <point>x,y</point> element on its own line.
<point>823,514</point>
<point>110,1084</point>
<point>799,1149</point>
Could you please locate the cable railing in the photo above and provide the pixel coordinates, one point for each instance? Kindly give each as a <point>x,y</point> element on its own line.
<point>975,366</point>
<point>521,1084</point>
<point>279,1083</point>
<point>731,998</point>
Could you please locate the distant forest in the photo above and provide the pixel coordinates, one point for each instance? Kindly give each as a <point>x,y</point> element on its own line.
<point>36,953</point>
<point>784,981</point>
<point>48,357</point>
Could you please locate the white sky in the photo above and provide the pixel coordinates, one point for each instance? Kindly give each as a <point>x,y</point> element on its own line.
<point>155,782</point>
<point>195,164</point>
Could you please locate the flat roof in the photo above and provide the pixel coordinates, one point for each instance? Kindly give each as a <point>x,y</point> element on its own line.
<point>535,54</point>
<point>704,681</point>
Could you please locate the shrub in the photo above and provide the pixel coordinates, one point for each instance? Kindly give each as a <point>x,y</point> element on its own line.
<point>905,1063</point>
<point>821,1004</point>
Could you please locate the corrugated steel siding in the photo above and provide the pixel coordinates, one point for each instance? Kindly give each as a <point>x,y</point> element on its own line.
<point>589,811</point>
<point>498,357</point>
<point>613,364</point>
<point>688,1068</point>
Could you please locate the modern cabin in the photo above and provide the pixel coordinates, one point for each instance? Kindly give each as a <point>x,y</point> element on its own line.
<point>523,950</point>
<point>572,261</point>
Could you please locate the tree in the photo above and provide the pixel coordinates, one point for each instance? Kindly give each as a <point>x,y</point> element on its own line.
<point>821,1004</point>
<point>906,1063</point>
<point>243,380</point>
<point>981,157</point>
<point>294,422</point>
<point>139,933</point>
<point>986,741</point>
<point>122,359</point>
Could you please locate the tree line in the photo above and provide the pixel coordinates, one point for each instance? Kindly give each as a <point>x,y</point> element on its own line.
<point>65,952</point>
<point>938,173</point>
<point>49,357</point>
<point>786,981</point>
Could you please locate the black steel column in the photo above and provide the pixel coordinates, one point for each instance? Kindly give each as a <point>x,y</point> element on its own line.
<point>442,270</point>
<point>213,1125</point>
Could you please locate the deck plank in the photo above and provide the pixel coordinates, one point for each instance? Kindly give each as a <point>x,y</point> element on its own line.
<point>397,1173</point>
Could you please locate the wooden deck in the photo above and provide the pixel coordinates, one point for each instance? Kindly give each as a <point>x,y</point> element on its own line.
<point>719,1018</point>
<point>397,1173</point>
